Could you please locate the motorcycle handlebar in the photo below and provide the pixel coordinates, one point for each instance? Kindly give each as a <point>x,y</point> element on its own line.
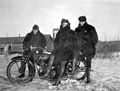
<point>34,47</point>
<point>41,48</point>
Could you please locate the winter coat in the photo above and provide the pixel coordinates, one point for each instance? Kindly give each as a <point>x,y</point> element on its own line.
<point>90,38</point>
<point>62,36</point>
<point>37,40</point>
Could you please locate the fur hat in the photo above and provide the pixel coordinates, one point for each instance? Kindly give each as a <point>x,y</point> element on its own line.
<point>64,20</point>
<point>35,27</point>
<point>82,18</point>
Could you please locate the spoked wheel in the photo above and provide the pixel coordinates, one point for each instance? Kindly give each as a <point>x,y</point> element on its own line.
<point>13,72</point>
<point>80,70</point>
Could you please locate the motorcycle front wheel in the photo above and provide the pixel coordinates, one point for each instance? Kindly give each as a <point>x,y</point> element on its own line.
<point>13,70</point>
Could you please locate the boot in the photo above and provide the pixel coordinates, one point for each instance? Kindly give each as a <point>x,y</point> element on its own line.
<point>49,66</point>
<point>88,75</point>
<point>22,70</point>
<point>73,66</point>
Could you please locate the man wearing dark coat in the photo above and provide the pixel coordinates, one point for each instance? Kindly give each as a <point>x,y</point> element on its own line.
<point>63,34</point>
<point>90,38</point>
<point>61,54</point>
<point>33,39</point>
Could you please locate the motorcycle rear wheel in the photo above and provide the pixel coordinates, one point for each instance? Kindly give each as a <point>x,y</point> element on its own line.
<point>80,69</point>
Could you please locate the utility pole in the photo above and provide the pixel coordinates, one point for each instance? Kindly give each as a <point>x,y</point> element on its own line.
<point>118,39</point>
<point>118,32</point>
<point>19,34</point>
<point>105,37</point>
<point>6,34</point>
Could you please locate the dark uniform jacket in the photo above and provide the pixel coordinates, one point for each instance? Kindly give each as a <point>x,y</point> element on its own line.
<point>37,40</point>
<point>62,36</point>
<point>61,50</point>
<point>90,38</point>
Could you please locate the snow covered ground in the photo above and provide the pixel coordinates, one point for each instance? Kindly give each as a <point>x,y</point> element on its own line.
<point>105,76</point>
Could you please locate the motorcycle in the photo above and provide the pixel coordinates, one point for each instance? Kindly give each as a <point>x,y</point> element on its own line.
<point>40,67</point>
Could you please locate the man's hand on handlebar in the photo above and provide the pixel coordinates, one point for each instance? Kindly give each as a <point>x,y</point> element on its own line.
<point>33,47</point>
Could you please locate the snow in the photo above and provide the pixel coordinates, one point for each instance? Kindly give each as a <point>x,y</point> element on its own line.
<point>105,76</point>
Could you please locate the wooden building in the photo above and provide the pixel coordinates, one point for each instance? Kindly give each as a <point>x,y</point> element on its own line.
<point>15,44</point>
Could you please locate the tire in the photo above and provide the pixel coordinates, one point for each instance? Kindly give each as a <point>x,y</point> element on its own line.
<point>80,71</point>
<point>13,79</point>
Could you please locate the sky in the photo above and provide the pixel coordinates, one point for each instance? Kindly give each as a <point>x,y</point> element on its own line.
<point>18,16</point>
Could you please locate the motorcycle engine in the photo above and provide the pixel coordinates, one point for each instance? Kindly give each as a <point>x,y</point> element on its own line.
<point>43,60</point>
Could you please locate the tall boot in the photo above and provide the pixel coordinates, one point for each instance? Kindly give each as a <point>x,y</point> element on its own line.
<point>22,70</point>
<point>49,66</point>
<point>62,69</point>
<point>88,75</point>
<point>73,66</point>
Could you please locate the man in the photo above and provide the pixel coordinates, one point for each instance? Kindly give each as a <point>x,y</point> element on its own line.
<point>61,37</point>
<point>60,53</point>
<point>90,38</point>
<point>33,39</point>
<point>63,34</point>
<point>63,52</point>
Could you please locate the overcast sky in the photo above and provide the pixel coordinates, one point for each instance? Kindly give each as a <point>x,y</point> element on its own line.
<point>18,16</point>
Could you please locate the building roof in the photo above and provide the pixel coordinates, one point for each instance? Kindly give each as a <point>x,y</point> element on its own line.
<point>2,45</point>
<point>15,48</point>
<point>9,40</point>
<point>17,43</point>
<point>17,40</point>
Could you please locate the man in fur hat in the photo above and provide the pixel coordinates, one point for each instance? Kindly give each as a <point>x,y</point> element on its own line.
<point>90,38</point>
